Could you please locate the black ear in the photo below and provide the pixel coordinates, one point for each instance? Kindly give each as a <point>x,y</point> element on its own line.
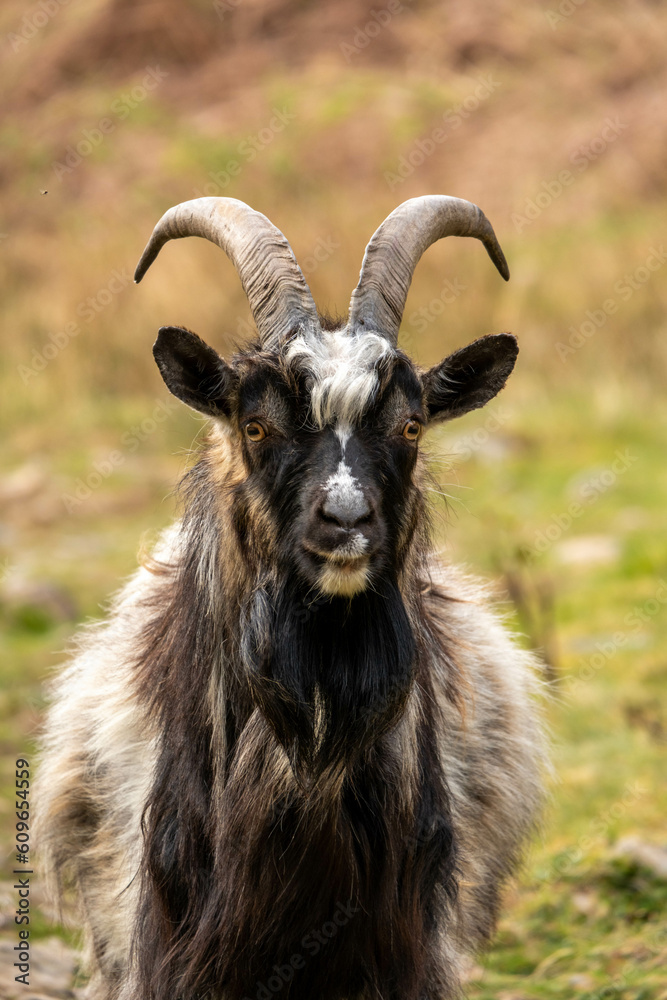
<point>193,371</point>
<point>469,378</point>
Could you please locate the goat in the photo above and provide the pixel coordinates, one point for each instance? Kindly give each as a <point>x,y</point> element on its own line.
<point>302,756</point>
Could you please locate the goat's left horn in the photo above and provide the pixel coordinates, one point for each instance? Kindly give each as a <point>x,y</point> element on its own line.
<point>279,297</point>
<point>393,253</point>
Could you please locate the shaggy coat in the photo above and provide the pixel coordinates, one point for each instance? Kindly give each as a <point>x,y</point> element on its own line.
<point>301,756</point>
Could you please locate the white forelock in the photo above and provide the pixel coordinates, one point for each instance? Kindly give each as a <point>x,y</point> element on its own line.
<point>343,372</point>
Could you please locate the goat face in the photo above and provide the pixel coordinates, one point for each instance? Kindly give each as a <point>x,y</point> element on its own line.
<point>328,420</point>
<point>328,427</point>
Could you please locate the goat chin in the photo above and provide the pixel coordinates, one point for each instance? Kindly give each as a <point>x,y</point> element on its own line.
<point>344,579</point>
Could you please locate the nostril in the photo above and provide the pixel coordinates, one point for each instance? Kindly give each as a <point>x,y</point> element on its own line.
<point>365,519</point>
<point>328,518</point>
<point>346,515</point>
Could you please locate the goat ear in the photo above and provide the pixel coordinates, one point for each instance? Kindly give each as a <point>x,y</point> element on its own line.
<point>193,371</point>
<point>469,378</point>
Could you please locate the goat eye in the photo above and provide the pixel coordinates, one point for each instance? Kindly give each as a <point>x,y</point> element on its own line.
<point>254,431</point>
<point>412,430</point>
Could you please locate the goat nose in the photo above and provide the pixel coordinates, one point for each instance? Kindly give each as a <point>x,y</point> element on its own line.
<point>346,509</point>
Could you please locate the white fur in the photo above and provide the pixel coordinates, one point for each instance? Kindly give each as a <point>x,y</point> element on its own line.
<point>343,489</point>
<point>342,369</point>
<point>355,547</point>
<point>96,727</point>
<point>343,432</point>
<point>344,579</point>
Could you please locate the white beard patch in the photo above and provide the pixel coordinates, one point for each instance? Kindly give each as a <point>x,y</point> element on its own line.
<point>343,580</point>
<point>355,547</point>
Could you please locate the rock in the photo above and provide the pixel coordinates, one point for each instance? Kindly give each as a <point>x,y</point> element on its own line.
<point>23,483</point>
<point>52,968</point>
<point>53,600</point>
<point>588,550</point>
<point>581,981</point>
<point>586,903</point>
<point>649,855</point>
<point>28,496</point>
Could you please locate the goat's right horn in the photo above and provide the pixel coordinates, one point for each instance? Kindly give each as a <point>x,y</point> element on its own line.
<point>393,253</point>
<point>279,297</point>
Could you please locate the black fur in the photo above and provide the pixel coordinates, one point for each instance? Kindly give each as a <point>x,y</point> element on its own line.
<point>469,378</point>
<point>234,886</point>
<point>193,371</point>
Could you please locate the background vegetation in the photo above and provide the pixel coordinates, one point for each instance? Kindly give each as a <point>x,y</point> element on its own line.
<point>552,117</point>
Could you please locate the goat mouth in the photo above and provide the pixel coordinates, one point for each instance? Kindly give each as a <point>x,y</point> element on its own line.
<point>339,572</point>
<point>344,557</point>
<point>347,565</point>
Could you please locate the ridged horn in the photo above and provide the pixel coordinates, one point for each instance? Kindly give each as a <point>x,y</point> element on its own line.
<point>279,297</point>
<point>393,253</point>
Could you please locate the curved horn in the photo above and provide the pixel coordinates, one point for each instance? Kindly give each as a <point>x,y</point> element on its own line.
<point>272,280</point>
<point>394,251</point>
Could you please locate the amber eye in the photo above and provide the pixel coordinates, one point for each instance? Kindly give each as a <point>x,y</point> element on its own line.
<point>412,430</point>
<point>254,431</point>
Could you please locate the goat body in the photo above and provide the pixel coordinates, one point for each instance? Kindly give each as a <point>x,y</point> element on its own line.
<point>301,756</point>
